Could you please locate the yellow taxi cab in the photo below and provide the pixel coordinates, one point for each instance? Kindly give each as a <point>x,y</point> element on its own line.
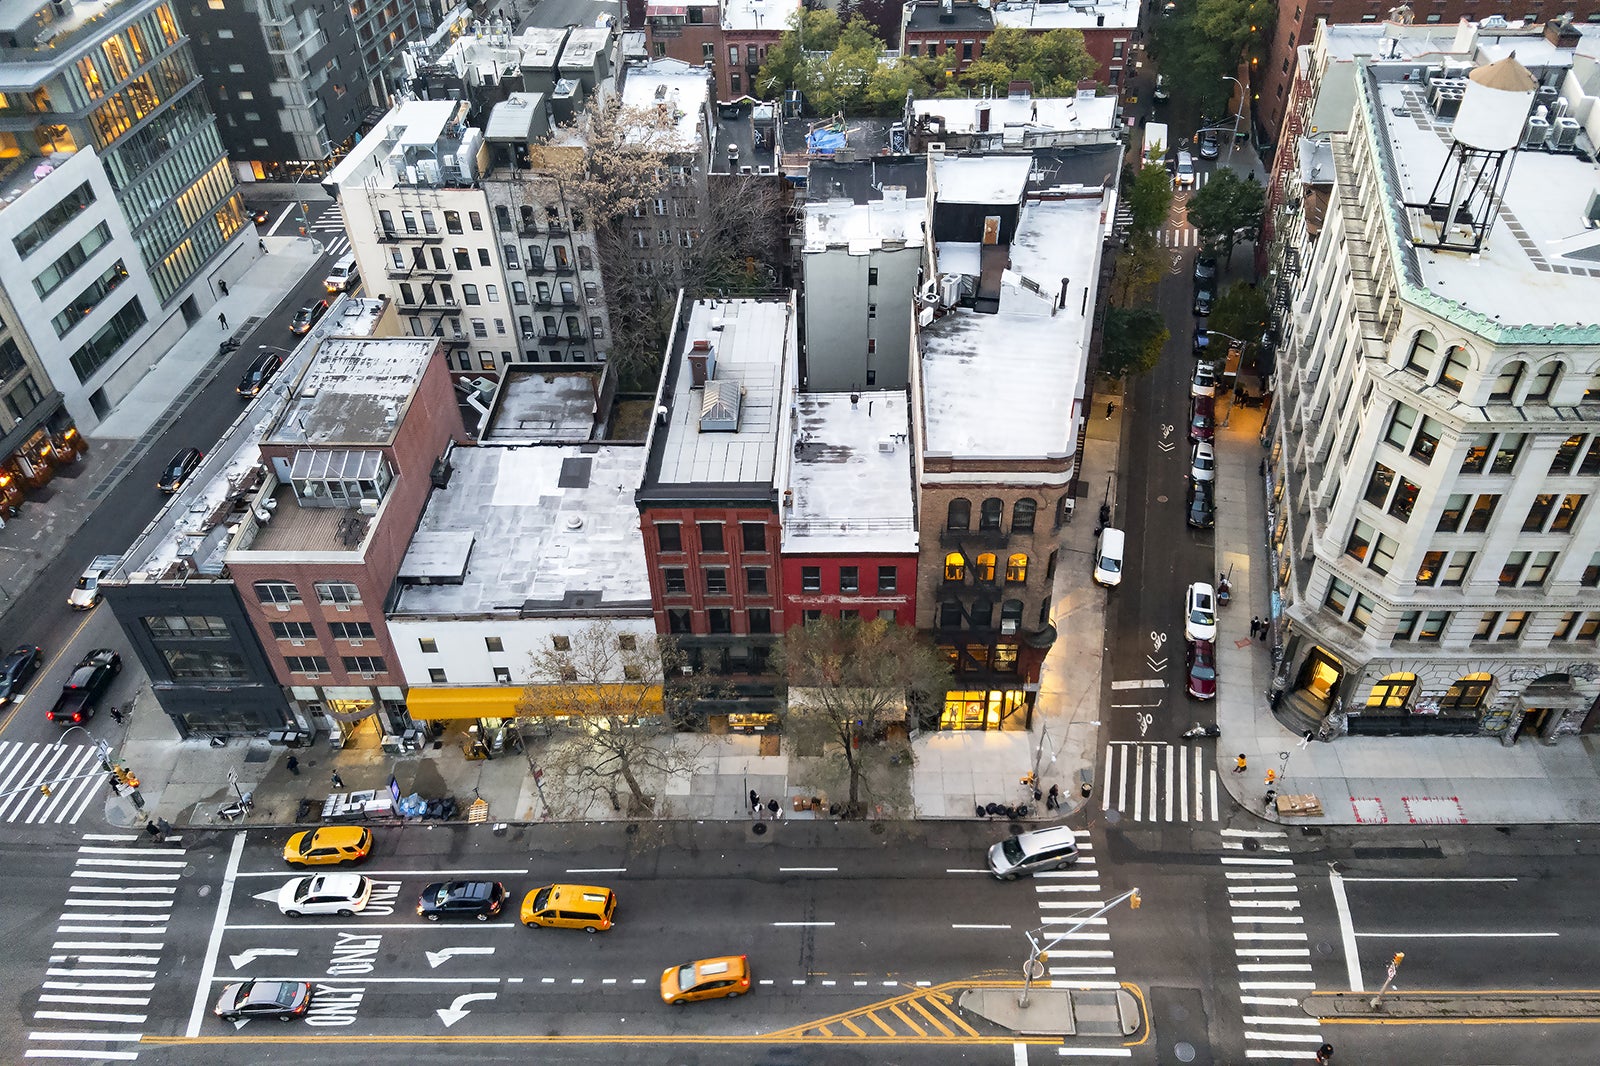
<point>328,846</point>
<point>587,907</point>
<point>718,978</point>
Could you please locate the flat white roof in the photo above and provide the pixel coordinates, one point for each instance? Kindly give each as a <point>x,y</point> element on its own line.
<point>754,341</point>
<point>989,179</point>
<point>1085,111</point>
<point>1539,268</point>
<point>675,84</point>
<point>415,122</point>
<point>758,14</point>
<point>531,523</point>
<point>1003,386</point>
<point>865,227</point>
<point>355,391</point>
<point>1073,15</point>
<point>851,476</point>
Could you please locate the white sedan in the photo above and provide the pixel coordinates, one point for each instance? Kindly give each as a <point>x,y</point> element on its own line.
<point>1203,462</point>
<point>341,894</point>
<point>1200,613</point>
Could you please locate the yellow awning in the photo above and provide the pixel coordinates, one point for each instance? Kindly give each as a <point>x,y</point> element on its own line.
<point>434,704</point>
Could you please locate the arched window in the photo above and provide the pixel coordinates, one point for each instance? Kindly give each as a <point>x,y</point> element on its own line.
<point>955,567</point>
<point>1392,692</point>
<point>984,566</point>
<point>1017,569</point>
<point>982,616</point>
<point>989,517</point>
<point>1467,694</point>
<point>1022,513</point>
<point>1505,386</point>
<point>1456,365</point>
<point>959,514</point>
<point>1424,354</point>
<point>1544,381</point>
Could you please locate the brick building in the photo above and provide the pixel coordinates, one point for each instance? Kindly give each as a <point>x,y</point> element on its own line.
<point>954,31</point>
<point>729,36</point>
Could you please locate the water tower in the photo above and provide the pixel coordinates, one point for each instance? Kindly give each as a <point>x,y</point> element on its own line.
<point>1494,103</point>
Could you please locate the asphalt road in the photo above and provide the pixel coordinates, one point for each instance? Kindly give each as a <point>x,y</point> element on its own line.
<point>40,614</point>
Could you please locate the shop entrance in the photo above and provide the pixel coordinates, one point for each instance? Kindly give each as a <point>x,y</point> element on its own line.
<point>983,709</point>
<point>1533,722</point>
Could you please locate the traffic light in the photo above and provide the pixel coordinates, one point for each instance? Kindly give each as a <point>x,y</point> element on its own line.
<point>45,789</point>
<point>127,777</point>
<point>1134,900</point>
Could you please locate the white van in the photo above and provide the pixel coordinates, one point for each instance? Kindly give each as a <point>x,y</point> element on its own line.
<point>1108,557</point>
<point>343,276</point>
<point>1185,175</point>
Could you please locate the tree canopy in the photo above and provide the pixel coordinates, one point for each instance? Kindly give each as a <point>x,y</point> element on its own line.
<point>1139,266</point>
<point>1225,209</point>
<point>1149,197</point>
<point>1240,311</point>
<point>1054,62</point>
<point>1132,341</point>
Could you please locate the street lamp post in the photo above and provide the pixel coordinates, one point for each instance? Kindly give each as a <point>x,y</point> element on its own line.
<point>1034,967</point>
<point>1238,115</point>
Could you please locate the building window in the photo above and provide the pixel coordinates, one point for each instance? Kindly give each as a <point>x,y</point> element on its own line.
<point>1505,456</point>
<point>888,579</point>
<point>755,580</point>
<point>306,664</point>
<point>186,626</point>
<point>716,581</point>
<point>669,535</point>
<point>1455,509</point>
<point>950,614</point>
<point>1544,382</point>
<point>428,645</point>
<point>1591,573</point>
<point>1360,540</point>
<point>1511,571</point>
<point>502,675</point>
<point>1456,365</point>
<point>1424,353</point>
<point>809,616</point>
<point>1486,625</point>
<point>720,620</point>
<point>281,593</point>
<point>958,515</point>
<point>1567,513</point>
<point>293,631</point>
<point>1383,550</point>
<point>811,579</point>
<point>760,620</point>
<point>1022,515</point>
<point>955,567</point>
<point>1543,504</point>
<point>678,621</point>
<point>365,664</point>
<point>436,675</point>
<point>1433,626</point>
<point>1338,597</point>
<point>983,567</point>
<point>1482,513</point>
<point>1456,573</point>
<point>1566,456</point>
<point>1505,385</point>
<point>1392,693</point>
<point>1379,484</point>
<point>710,537</point>
<point>341,593</point>
<point>352,631</point>
<point>989,515</point>
<point>1017,569</point>
<point>561,643</point>
<point>674,580</point>
<point>753,535</point>
<point>849,579</point>
<point>1476,456</point>
<point>493,644</point>
<point>1513,625</point>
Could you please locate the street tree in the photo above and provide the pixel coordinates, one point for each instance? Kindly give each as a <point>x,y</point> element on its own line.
<point>1240,311</point>
<point>850,682</point>
<point>1054,62</point>
<point>1139,266</point>
<point>601,700</point>
<point>1132,340</point>
<point>1150,198</point>
<point>1227,208</point>
<point>839,65</point>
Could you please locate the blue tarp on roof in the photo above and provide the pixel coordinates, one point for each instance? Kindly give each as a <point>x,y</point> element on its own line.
<point>824,142</point>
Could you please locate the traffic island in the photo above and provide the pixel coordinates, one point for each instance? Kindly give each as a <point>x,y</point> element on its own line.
<point>1056,1011</point>
<point>1489,1003</point>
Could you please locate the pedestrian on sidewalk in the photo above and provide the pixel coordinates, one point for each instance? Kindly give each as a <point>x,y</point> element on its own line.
<point>223,319</point>
<point>261,244</point>
<point>223,287</point>
<point>338,782</point>
<point>1053,801</point>
<point>775,810</point>
<point>755,801</point>
<point>1111,409</point>
<point>1239,765</point>
<point>117,715</point>
<point>294,765</point>
<point>1265,625</point>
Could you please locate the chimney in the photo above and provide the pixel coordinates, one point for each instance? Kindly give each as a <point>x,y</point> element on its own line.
<point>947,11</point>
<point>702,364</point>
<point>1560,33</point>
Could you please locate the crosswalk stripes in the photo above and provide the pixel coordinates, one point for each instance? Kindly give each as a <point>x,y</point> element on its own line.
<point>1151,782</point>
<point>1271,948</point>
<point>1179,237</point>
<point>69,772</point>
<point>103,962</point>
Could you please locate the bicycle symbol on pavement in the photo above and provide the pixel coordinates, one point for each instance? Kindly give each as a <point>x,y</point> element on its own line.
<point>1159,640</point>
<point>1144,723</point>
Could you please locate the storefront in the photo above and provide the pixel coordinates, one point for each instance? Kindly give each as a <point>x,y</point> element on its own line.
<point>31,452</point>
<point>356,715</point>
<point>995,708</point>
<point>484,721</point>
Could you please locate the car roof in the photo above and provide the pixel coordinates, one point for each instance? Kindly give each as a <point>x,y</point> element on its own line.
<point>342,884</point>
<point>1048,836</point>
<point>336,835</point>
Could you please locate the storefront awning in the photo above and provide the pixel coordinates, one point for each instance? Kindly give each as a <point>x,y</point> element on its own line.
<point>434,704</point>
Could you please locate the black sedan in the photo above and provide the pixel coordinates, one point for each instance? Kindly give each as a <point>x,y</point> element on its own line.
<point>285,1000</point>
<point>1203,299</point>
<point>462,899</point>
<point>1200,507</point>
<point>307,317</point>
<point>15,671</point>
<point>255,379</point>
<point>177,472</point>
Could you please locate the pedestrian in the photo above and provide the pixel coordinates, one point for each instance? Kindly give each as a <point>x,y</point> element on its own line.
<point>1053,801</point>
<point>1266,624</point>
<point>116,789</point>
<point>1271,798</point>
<point>1239,766</point>
<point>116,715</point>
<point>155,832</point>
<point>223,319</point>
<point>1255,624</point>
<point>223,286</point>
<point>294,765</point>
<point>774,809</point>
<point>1262,469</point>
<point>338,782</point>
<point>1111,409</point>
<point>261,244</point>
<point>755,801</point>
<point>1324,1054</point>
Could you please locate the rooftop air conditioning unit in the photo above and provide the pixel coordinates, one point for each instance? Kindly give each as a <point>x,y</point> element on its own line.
<point>369,507</point>
<point>1536,133</point>
<point>1566,137</point>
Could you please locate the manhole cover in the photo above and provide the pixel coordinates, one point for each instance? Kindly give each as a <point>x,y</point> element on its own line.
<point>1113,816</point>
<point>1183,1051</point>
<point>759,829</point>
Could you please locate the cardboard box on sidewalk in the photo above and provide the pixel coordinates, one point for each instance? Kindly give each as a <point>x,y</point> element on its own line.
<point>1304,805</point>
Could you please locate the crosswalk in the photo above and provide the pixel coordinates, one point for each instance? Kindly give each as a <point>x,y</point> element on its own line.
<point>1081,958</point>
<point>1271,949</point>
<point>96,995</point>
<point>1184,236</point>
<point>1153,782</point>
<point>329,229</point>
<point>47,784</point>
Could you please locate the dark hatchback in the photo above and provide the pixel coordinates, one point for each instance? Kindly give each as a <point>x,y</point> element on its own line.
<point>178,471</point>
<point>15,671</point>
<point>255,379</point>
<point>264,999</point>
<point>1201,508</point>
<point>462,899</point>
<point>307,317</point>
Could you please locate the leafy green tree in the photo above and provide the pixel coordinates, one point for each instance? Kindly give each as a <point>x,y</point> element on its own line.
<point>809,31</point>
<point>1054,62</point>
<point>1132,341</point>
<point>1138,268</point>
<point>889,84</point>
<point>1241,29</point>
<point>1226,208</point>
<point>1240,311</point>
<point>1150,198</point>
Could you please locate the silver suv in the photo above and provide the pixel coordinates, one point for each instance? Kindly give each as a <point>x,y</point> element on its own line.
<point>1055,848</point>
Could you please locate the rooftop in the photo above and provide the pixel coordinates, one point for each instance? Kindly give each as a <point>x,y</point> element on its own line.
<point>522,528</point>
<point>758,14</point>
<point>927,17</point>
<point>863,180</point>
<point>989,179</point>
<point>194,525</point>
<point>1070,15</point>
<point>669,82</point>
<point>416,142</point>
<point>1006,385</point>
<point>851,476</point>
<point>1084,112</point>
<point>1537,278</point>
<point>895,219</point>
<point>355,392</point>
<point>543,406</point>
<point>753,347</point>
<point>860,135</point>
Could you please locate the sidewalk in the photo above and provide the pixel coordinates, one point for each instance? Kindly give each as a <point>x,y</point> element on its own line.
<point>1359,780</point>
<point>52,515</point>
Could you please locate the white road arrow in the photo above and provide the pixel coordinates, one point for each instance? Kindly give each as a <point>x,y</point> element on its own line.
<point>267,897</point>
<point>245,958</point>
<point>436,958</point>
<point>457,1010</point>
